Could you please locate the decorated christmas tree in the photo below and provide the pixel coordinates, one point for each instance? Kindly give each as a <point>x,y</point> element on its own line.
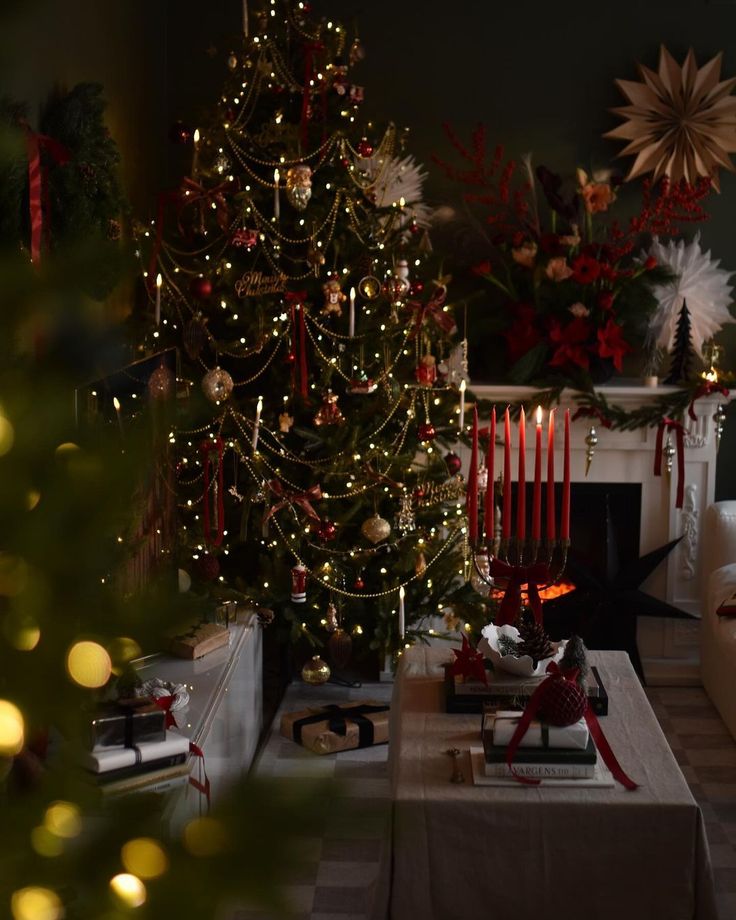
<point>293,270</point>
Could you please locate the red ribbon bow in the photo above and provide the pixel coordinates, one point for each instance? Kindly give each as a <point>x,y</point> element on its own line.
<point>433,310</point>
<point>601,742</point>
<point>531,576</point>
<point>165,703</point>
<point>298,334</point>
<point>214,195</point>
<point>669,424</point>
<point>591,412</point>
<point>38,200</point>
<point>705,389</point>
<point>207,448</point>
<point>302,499</point>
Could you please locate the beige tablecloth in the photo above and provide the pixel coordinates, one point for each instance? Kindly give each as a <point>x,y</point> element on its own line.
<point>499,853</point>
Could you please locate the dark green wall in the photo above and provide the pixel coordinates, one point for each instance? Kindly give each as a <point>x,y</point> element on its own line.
<point>540,75</point>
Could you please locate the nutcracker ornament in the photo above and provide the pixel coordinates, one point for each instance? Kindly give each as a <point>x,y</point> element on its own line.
<point>329,412</point>
<point>334,298</point>
<point>299,186</point>
<point>426,371</point>
<point>298,584</point>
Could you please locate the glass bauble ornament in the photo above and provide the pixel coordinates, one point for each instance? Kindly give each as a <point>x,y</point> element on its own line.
<point>217,385</point>
<point>315,671</point>
<point>356,53</point>
<point>326,531</point>
<point>427,432</point>
<point>299,186</point>
<point>200,287</point>
<point>364,148</point>
<point>232,61</point>
<point>369,287</point>
<point>340,646</point>
<point>375,529</point>
<point>195,336</point>
<point>161,383</point>
<point>453,463</point>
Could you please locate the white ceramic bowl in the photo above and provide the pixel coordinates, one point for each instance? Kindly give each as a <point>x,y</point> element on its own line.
<point>523,666</point>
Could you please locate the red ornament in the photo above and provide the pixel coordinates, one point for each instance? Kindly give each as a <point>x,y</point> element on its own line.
<point>419,493</point>
<point>201,288</point>
<point>416,288</point>
<point>365,148</point>
<point>206,567</point>
<point>289,357</point>
<point>453,463</point>
<point>414,227</point>
<point>427,432</point>
<point>179,133</point>
<point>564,700</point>
<point>358,584</point>
<point>326,531</point>
<point>345,162</point>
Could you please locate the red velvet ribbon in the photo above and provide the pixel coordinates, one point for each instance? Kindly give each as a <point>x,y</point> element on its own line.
<point>530,575</point>
<point>38,182</point>
<point>285,497</point>
<point>202,785</point>
<point>207,449</point>
<point>705,389</point>
<point>165,703</point>
<point>310,50</point>
<point>601,742</point>
<point>214,196</point>
<point>591,412</point>
<point>433,310</point>
<point>298,342</point>
<point>669,424</point>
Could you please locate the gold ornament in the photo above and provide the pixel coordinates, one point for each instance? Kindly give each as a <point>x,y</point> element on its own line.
<point>334,298</point>
<point>369,287</point>
<point>217,385</point>
<point>681,122</point>
<point>331,623</point>
<point>375,529</point>
<point>316,671</point>
<point>299,186</point>
<point>329,412</point>
<point>315,259</point>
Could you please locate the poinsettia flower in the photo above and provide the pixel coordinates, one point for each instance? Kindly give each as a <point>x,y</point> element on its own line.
<point>585,269</point>
<point>611,343</point>
<point>523,334</point>
<point>557,269</point>
<point>525,254</point>
<point>570,343</point>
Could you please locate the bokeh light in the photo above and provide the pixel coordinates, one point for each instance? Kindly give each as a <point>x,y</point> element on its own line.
<point>35,903</point>
<point>11,729</point>
<point>13,574</point>
<point>122,651</point>
<point>33,497</point>
<point>7,435</point>
<point>205,837</point>
<point>129,889</point>
<point>144,857</point>
<point>45,843</point>
<point>63,819</point>
<point>88,664</point>
<point>22,631</point>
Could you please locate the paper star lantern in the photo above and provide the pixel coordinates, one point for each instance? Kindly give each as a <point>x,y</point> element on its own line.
<point>681,122</point>
<point>700,283</point>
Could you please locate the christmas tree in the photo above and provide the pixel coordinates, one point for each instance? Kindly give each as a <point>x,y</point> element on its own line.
<point>681,353</point>
<point>293,270</point>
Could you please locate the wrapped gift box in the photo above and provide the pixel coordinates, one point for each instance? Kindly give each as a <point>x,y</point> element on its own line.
<point>328,729</point>
<point>500,727</point>
<point>171,750</point>
<point>126,723</point>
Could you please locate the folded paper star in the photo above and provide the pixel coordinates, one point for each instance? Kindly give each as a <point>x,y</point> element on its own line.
<point>468,663</point>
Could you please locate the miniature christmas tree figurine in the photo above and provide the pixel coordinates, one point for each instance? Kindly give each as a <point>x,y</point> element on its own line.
<point>682,349</point>
<point>575,657</point>
<point>293,274</point>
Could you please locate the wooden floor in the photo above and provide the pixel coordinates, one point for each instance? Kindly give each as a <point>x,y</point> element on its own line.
<point>343,858</point>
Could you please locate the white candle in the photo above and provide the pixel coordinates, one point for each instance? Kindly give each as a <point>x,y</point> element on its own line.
<point>276,200</point>
<point>157,313</point>
<point>195,157</point>
<point>245,18</point>
<point>462,403</point>
<point>259,409</point>
<point>402,625</point>
<point>116,404</point>
<point>351,321</point>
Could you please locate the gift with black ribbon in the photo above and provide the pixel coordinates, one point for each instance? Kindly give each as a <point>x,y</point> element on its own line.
<point>333,728</point>
<point>127,723</point>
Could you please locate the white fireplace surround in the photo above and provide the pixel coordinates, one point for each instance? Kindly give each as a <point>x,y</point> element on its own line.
<point>668,648</point>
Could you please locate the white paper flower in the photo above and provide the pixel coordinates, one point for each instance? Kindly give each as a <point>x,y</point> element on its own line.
<point>393,179</point>
<point>700,283</point>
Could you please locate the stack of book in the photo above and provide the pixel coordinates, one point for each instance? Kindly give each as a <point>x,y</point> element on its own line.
<point>545,751</point>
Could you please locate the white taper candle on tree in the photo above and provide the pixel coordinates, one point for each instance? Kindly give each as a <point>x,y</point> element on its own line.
<point>402,617</point>
<point>276,194</point>
<point>259,409</point>
<point>462,403</point>
<point>157,312</point>
<point>351,315</point>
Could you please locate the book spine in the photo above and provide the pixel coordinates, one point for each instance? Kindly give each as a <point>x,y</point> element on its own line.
<point>543,770</point>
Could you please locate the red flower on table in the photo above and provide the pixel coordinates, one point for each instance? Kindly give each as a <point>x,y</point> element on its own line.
<point>468,663</point>
<point>611,343</point>
<point>585,269</point>
<point>523,334</point>
<point>569,343</point>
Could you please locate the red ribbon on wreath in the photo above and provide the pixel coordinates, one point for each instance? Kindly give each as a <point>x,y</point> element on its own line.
<point>216,447</point>
<point>705,389</point>
<point>202,784</point>
<point>517,575</point>
<point>38,192</point>
<point>669,424</point>
<point>591,412</point>
<point>536,700</point>
<point>298,354</point>
<point>285,497</point>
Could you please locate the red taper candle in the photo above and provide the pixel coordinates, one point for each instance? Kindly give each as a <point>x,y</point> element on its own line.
<point>472,495</point>
<point>537,495</point>
<point>506,512</point>
<point>490,509</point>
<point>551,525</point>
<point>521,498</point>
<point>565,519</point>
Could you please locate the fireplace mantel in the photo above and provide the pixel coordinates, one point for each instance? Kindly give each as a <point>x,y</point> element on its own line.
<point>668,648</point>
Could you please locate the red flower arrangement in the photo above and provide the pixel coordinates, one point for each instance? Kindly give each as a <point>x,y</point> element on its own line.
<point>570,298</point>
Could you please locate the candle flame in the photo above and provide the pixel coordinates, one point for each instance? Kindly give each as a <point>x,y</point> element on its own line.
<point>197,135</point>
<point>462,385</point>
<point>352,293</point>
<point>539,415</point>
<point>276,176</point>
<point>116,403</point>
<point>402,593</point>
<point>159,280</point>
<point>259,407</point>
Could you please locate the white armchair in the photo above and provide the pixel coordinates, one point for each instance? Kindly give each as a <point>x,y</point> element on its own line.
<point>718,634</point>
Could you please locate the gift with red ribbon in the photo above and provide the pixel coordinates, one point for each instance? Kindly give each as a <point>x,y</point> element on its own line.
<point>549,692</point>
<point>669,424</point>
<point>517,575</point>
<point>212,451</point>
<point>38,194</point>
<point>286,497</point>
<point>705,389</point>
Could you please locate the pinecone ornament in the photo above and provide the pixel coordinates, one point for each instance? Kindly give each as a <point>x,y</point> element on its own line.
<point>534,642</point>
<point>575,657</point>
